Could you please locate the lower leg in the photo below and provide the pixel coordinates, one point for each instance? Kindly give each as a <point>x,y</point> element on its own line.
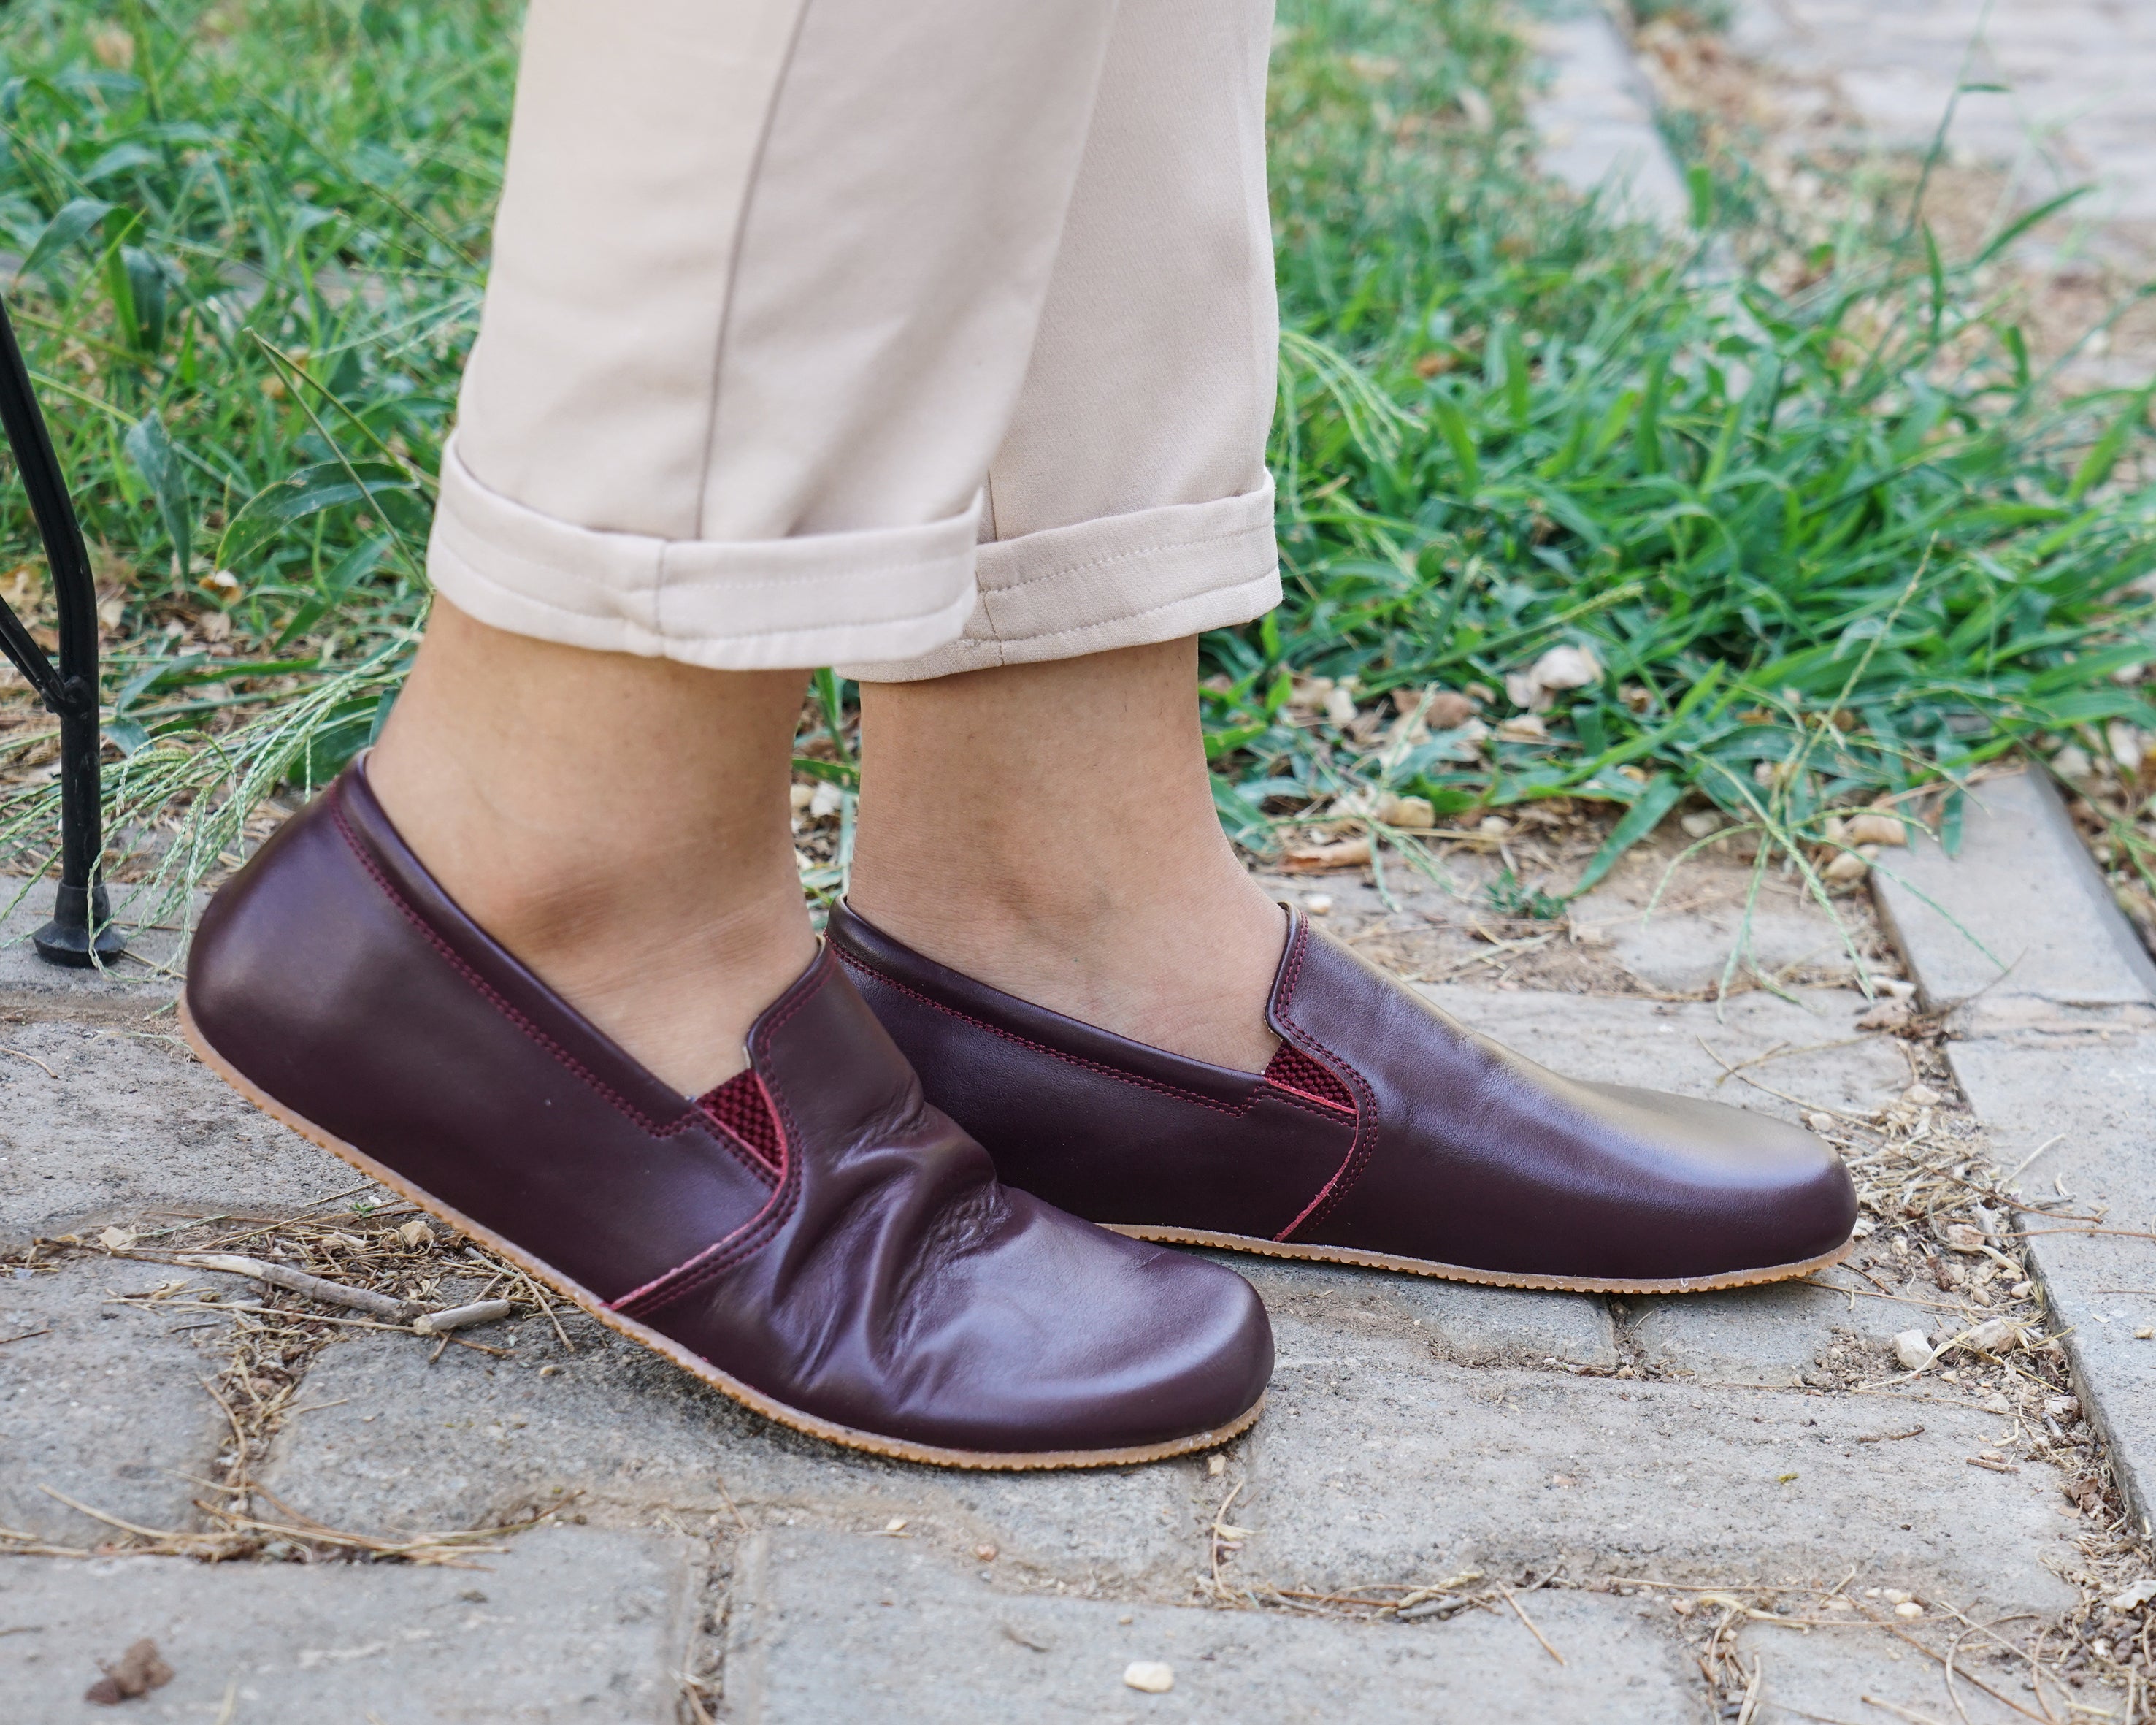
<point>618,823</point>
<point>1049,830</point>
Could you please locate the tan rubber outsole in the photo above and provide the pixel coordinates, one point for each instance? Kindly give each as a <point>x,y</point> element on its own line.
<point>1487,1278</point>
<point>697,1366</point>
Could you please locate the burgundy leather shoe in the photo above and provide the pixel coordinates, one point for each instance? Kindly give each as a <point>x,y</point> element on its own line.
<point>1384,1133</point>
<point>809,1238</point>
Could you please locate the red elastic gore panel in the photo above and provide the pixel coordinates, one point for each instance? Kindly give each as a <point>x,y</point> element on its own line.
<point>1292,1070</point>
<point>739,1107</point>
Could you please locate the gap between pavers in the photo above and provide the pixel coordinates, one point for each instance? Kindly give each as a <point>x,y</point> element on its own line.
<point>400,1444</point>
<point>567,1624</point>
<point>107,1406</point>
<point>2058,1049</point>
<point>815,1615</point>
<point>1375,1463</point>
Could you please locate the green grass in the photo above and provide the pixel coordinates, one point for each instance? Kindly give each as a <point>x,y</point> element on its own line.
<point>253,238</point>
<point>1827,548</point>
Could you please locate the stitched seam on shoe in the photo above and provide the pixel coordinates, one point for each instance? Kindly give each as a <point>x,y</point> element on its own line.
<point>731,1139</point>
<point>1234,1110</point>
<point>495,998</point>
<point>716,1260</point>
<point>1303,1097</point>
<point>1358,1153</point>
<point>1324,1110</point>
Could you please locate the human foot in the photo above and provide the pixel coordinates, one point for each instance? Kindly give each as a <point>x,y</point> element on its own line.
<point>1049,830</point>
<point>617,823</point>
<point>807,1238</point>
<point>1383,1133</point>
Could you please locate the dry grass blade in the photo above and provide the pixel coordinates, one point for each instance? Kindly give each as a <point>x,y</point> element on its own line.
<point>463,1317</point>
<point>292,1282</point>
<point>1899,1712</point>
<point>1519,1612</point>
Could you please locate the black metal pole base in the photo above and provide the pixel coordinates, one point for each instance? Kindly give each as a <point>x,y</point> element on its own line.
<point>67,939</point>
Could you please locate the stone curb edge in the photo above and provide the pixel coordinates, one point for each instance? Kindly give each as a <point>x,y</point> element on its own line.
<point>2053,1040</point>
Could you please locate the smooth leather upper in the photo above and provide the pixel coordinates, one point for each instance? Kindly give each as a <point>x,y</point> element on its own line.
<point>1445,1147</point>
<point>867,1268</point>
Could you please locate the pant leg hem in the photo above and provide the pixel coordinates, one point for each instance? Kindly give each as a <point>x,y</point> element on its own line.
<point>768,605</point>
<point>1127,580</point>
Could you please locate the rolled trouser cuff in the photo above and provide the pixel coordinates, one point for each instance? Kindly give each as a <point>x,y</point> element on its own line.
<point>1124,580</point>
<point>759,605</point>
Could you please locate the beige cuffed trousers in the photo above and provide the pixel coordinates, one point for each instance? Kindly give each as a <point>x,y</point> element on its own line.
<point>910,337</point>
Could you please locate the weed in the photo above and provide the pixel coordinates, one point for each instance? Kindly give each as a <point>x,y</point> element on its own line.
<point>1509,898</point>
<point>1826,546</point>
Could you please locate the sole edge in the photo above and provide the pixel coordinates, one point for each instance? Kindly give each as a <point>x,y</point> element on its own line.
<point>793,1419</point>
<point>1356,1256</point>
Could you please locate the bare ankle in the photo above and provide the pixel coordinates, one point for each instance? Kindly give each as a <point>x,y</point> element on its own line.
<point>1188,968</point>
<point>642,869</point>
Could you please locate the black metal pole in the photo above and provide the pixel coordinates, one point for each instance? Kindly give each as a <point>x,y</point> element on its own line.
<point>81,932</point>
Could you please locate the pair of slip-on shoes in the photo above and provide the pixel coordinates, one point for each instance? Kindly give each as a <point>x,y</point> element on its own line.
<point>909,1274</point>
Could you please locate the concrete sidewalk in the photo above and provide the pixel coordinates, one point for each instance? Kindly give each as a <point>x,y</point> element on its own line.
<point>1462,1503</point>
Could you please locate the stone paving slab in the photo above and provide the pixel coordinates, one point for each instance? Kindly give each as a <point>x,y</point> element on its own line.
<point>910,1642</point>
<point>2080,78</point>
<point>103,1118</point>
<point>128,984</point>
<point>1375,1463</point>
<point>2098,1101</point>
<point>468,1442</point>
<point>107,1405</point>
<point>2025,888</point>
<point>1683,946</point>
<point>1456,1321</point>
<point>1665,1044</point>
<point>1594,119</point>
<point>1844,1674</point>
<point>2057,1052</point>
<point>1770,1337</point>
<point>568,1624</point>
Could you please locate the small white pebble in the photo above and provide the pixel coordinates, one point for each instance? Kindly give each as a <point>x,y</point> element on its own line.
<point>2144,1334</point>
<point>1894,1596</point>
<point>1922,1096</point>
<point>1149,1676</point>
<point>1317,904</point>
<point>1819,1122</point>
<point>1913,1349</point>
<point>1908,1608</point>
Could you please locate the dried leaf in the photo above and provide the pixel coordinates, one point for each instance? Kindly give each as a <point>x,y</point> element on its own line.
<point>1309,859</point>
<point>1413,813</point>
<point>137,1671</point>
<point>1872,828</point>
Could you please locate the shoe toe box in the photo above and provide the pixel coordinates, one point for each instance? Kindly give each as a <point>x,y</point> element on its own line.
<point>1725,1189</point>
